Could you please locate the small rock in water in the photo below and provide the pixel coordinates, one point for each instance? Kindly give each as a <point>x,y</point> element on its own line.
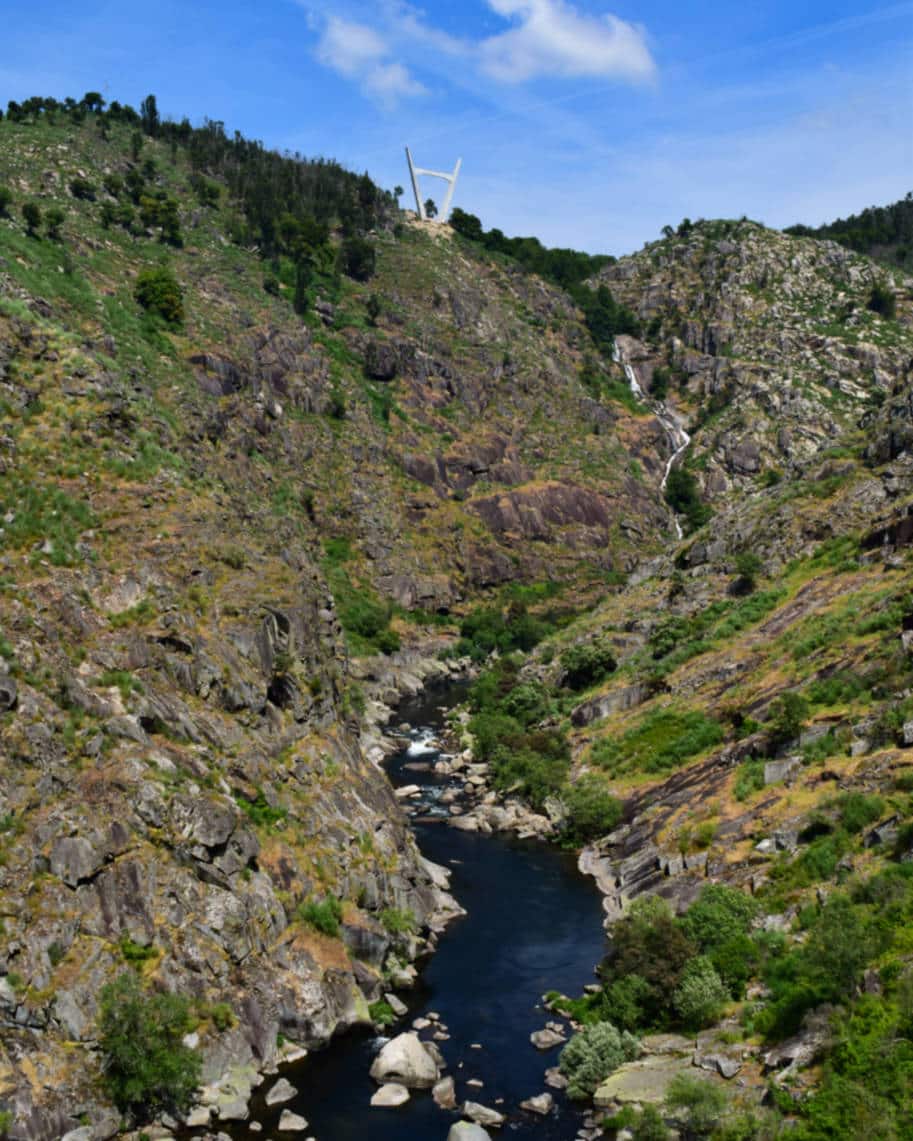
<point>281,1092</point>
<point>444,1094</point>
<point>546,1039</point>
<point>421,1023</point>
<point>291,1122</point>
<point>477,1083</point>
<point>483,1114</point>
<point>555,1078</point>
<point>542,1104</point>
<point>255,1127</point>
<point>390,1096</point>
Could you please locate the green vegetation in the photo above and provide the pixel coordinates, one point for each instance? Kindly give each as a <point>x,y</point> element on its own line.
<point>880,231</point>
<point>592,811</point>
<point>259,811</point>
<point>381,1013</point>
<point>663,740</point>
<point>158,291</point>
<point>147,1069</point>
<point>587,664</point>
<point>323,915</point>
<point>397,921</point>
<point>590,1056</point>
<point>684,498</point>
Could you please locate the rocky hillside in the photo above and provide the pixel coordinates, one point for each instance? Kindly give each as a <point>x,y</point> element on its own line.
<point>241,499</point>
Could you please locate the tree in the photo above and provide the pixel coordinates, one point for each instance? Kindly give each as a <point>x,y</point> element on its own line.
<point>53,220</point>
<point>6,197</point>
<point>786,717</point>
<point>700,995</point>
<point>149,116</point>
<point>373,307</point>
<point>303,275</point>
<point>748,566</point>
<point>136,145</point>
<point>93,101</point>
<point>147,1067</point>
<point>356,259</point>
<point>31,212</point>
<point>430,208</point>
<point>397,192</point>
<point>590,1056</point>
<point>882,300</point>
<point>592,811</point>
<point>158,291</point>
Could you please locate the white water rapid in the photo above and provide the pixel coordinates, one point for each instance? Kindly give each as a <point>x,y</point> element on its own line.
<point>678,437</point>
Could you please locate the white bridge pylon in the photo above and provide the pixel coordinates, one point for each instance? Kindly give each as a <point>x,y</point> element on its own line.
<point>451,179</point>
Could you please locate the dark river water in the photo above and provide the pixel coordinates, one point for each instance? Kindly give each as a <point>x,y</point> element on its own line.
<point>533,924</point>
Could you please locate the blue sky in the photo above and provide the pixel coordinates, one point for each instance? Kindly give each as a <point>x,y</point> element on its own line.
<point>587,123</point>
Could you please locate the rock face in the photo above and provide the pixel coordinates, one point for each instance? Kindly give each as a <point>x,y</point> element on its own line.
<point>405,1060</point>
<point>468,1131</point>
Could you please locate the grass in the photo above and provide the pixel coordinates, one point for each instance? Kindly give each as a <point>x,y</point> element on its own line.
<point>661,741</point>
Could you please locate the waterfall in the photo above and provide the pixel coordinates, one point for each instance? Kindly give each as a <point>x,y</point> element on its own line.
<point>678,437</point>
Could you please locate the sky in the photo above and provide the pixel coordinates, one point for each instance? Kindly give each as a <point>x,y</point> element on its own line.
<point>589,123</point>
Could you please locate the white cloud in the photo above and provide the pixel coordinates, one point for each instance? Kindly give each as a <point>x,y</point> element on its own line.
<point>360,53</point>
<point>553,39</point>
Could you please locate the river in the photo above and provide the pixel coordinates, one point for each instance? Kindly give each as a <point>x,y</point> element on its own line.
<point>533,924</point>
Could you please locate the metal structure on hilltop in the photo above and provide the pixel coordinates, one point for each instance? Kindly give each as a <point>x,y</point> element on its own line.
<point>450,179</point>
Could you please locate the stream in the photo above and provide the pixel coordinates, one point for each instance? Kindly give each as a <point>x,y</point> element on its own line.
<point>533,924</point>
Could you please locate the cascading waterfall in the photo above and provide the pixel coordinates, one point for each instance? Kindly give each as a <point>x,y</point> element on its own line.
<point>678,437</point>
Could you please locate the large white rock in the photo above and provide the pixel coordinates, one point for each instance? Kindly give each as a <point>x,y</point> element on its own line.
<point>291,1122</point>
<point>483,1115</point>
<point>282,1091</point>
<point>406,1061</point>
<point>468,1131</point>
<point>390,1096</point>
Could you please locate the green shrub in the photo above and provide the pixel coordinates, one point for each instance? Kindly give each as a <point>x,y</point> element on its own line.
<point>786,718</point>
<point>587,664</point>
<point>137,952</point>
<point>857,810</point>
<point>357,259</point>
<point>700,995</point>
<point>83,189</point>
<point>749,779</point>
<point>222,1015</point>
<point>381,1013</point>
<point>146,1067</point>
<point>590,1056</point>
<point>6,197</point>
<point>260,811</point>
<point>159,292</point>
<point>719,914</point>
<point>649,1125</point>
<point>684,498</point>
<point>882,300</point>
<point>592,810</point>
<point>397,921</point>
<point>698,1103</point>
<point>663,740</point>
<point>323,915</point>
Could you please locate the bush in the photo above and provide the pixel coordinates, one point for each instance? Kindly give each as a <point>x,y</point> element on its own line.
<point>649,1126</point>
<point>83,189</point>
<point>586,664</point>
<point>684,498</point>
<point>31,213</point>
<point>158,291</point>
<point>397,921</point>
<point>697,1103</point>
<point>590,1056</point>
<point>323,915</point>
<point>663,740</point>
<point>381,1013</point>
<point>147,1069</point>
<point>882,301</point>
<point>700,995</point>
<point>592,810</point>
<point>786,717</point>
<point>748,566</point>
<point>54,218</point>
<point>720,913</point>
<point>6,197</point>
<point>356,259</point>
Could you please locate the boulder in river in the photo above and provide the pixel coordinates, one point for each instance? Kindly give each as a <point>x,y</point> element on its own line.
<point>468,1131</point>
<point>390,1095</point>
<point>483,1114</point>
<point>405,1060</point>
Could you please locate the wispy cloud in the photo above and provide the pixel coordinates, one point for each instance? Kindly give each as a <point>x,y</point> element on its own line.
<point>543,39</point>
<point>551,38</point>
<point>360,53</point>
